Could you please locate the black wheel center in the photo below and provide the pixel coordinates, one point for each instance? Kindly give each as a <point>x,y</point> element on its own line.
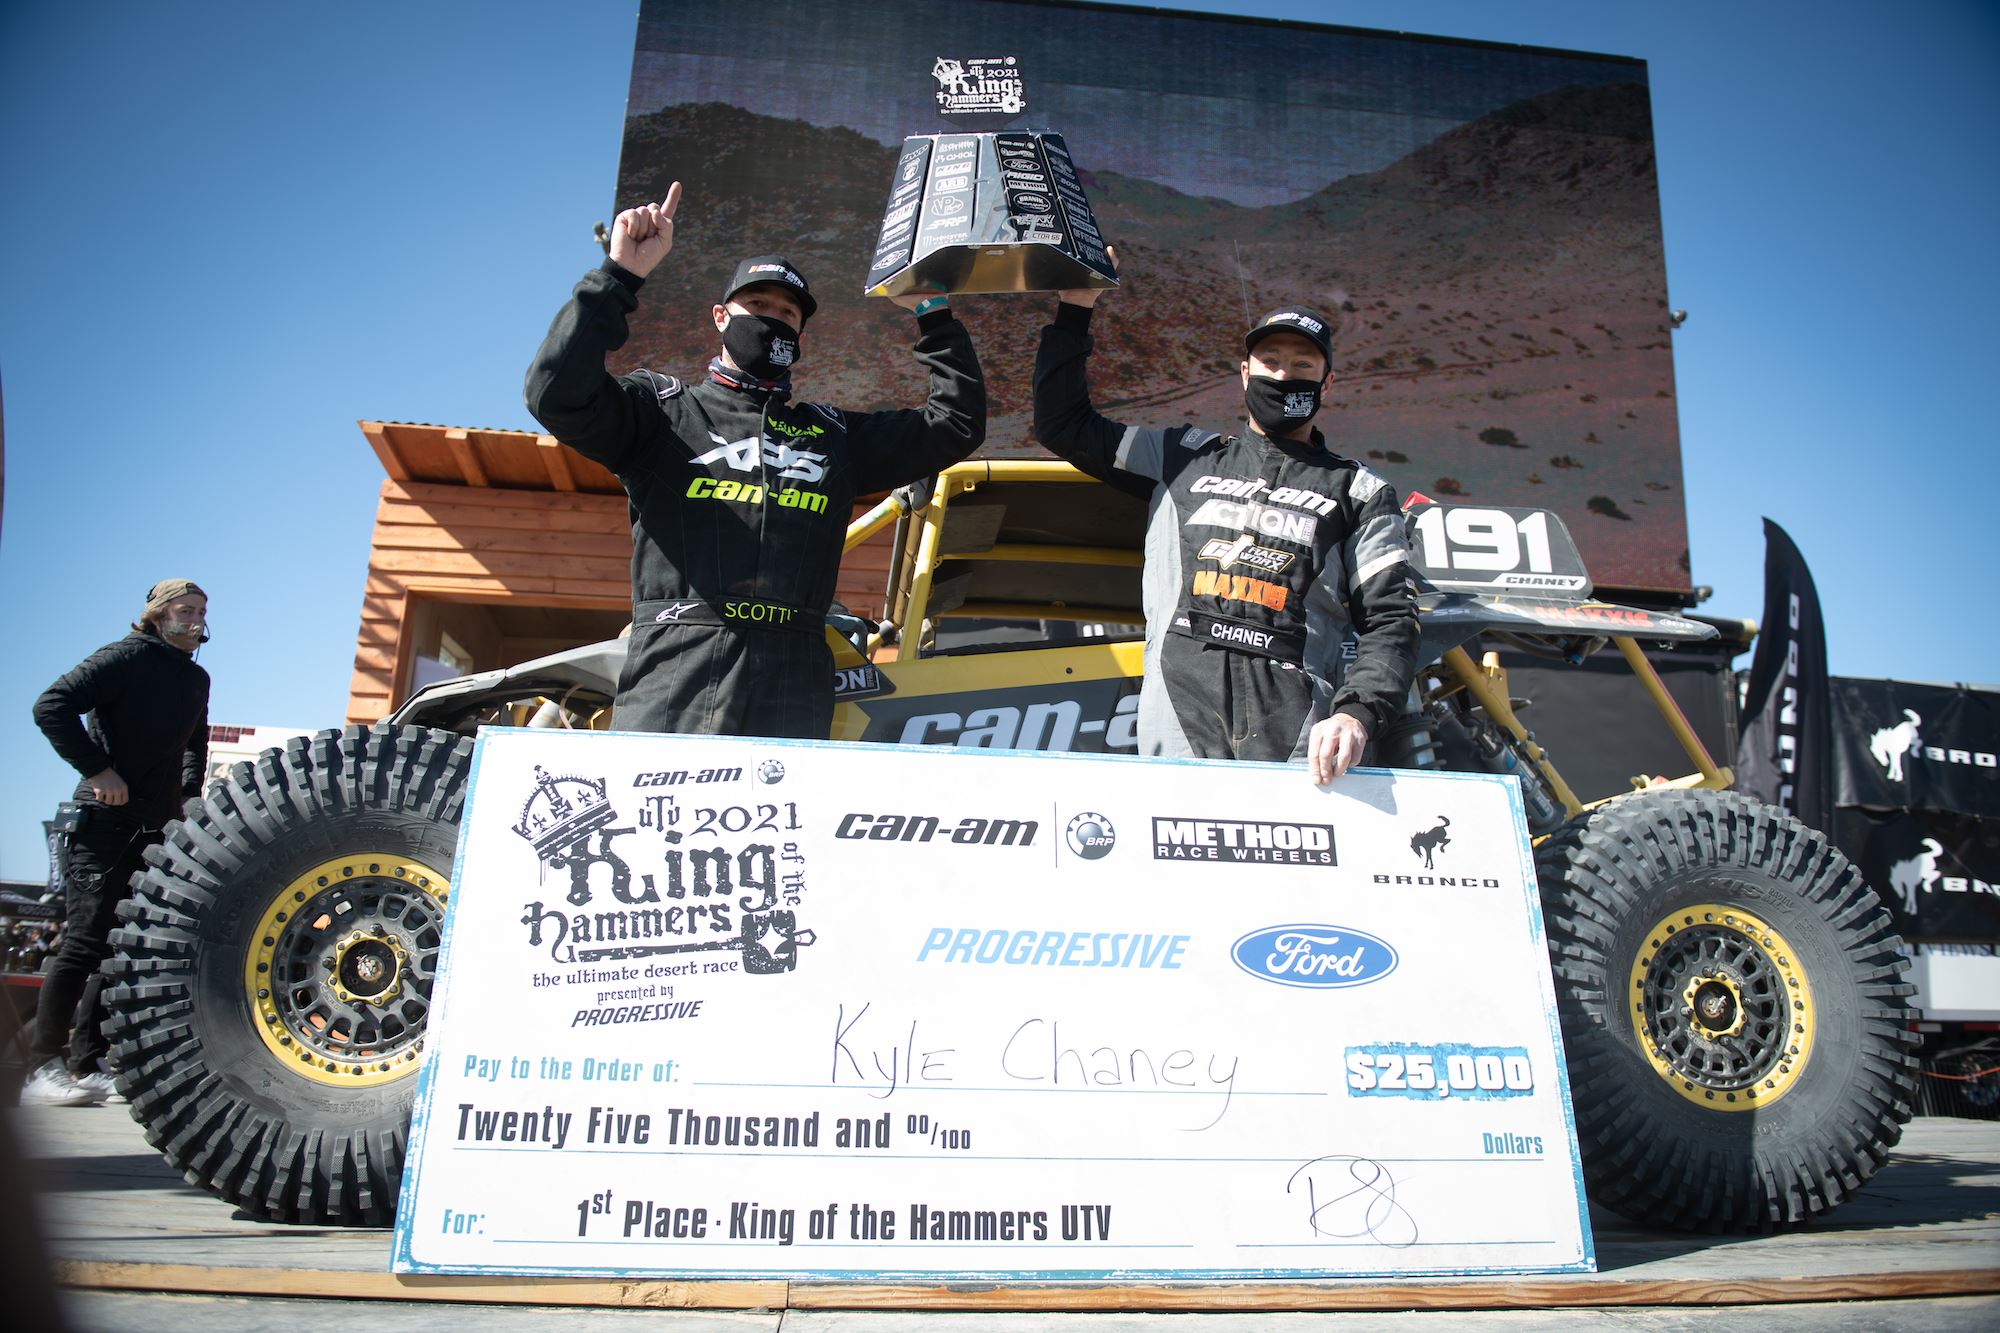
<point>368,969</point>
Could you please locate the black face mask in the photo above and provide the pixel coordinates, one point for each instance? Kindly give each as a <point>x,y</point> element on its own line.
<point>760,345</point>
<point>1280,407</point>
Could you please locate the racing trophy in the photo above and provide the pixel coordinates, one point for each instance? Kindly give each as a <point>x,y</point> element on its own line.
<point>987,213</point>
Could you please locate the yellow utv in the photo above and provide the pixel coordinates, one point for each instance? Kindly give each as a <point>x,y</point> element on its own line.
<point>1737,1034</point>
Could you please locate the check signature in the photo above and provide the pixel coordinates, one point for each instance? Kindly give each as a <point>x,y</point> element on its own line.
<point>1349,1196</point>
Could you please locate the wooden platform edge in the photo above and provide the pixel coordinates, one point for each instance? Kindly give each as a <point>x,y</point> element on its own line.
<point>1520,1294</point>
<point>360,1284</point>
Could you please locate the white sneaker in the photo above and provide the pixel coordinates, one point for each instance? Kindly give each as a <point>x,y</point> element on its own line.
<point>51,1085</point>
<point>101,1085</point>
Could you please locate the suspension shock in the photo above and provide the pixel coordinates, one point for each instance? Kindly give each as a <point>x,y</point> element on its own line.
<point>1410,741</point>
<point>1492,751</point>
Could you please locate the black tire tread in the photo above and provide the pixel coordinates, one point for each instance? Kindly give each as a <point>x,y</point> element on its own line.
<point>192,1113</point>
<point>1594,875</point>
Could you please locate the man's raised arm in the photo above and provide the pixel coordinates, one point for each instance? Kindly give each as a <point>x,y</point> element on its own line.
<point>568,390</point>
<point>1066,423</point>
<point>895,448</point>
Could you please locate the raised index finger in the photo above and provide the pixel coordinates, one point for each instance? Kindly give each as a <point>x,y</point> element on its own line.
<point>671,202</point>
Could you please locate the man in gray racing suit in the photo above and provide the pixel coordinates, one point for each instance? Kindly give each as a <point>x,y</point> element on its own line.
<point>1262,550</point>
<point>740,498</point>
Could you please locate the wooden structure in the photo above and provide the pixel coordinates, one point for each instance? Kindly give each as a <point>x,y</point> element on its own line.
<point>492,547</point>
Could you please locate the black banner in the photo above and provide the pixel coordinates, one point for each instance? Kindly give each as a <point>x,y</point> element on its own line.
<point>1917,747</point>
<point>1785,753</point>
<point>1939,874</point>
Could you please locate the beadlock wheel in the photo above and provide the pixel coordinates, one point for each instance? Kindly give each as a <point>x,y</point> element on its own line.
<point>1733,1016</point>
<point>340,967</point>
<point>1721,1007</point>
<point>270,988</point>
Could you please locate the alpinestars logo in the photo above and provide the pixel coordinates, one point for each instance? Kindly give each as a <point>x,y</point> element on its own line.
<point>984,84</point>
<point>674,611</point>
<point>1242,841</point>
<point>742,455</point>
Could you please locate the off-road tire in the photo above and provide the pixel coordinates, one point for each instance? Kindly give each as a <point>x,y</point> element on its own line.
<point>259,1064</point>
<point>1663,904</point>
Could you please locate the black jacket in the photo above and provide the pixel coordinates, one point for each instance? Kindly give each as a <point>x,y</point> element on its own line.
<point>737,494</point>
<point>147,703</point>
<point>1263,546</point>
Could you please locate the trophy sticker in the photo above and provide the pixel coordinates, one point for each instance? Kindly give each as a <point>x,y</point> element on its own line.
<point>979,86</point>
<point>896,245</point>
<point>1000,212</point>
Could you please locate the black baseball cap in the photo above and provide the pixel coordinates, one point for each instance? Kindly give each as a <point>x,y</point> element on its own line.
<point>1308,323</point>
<point>772,268</point>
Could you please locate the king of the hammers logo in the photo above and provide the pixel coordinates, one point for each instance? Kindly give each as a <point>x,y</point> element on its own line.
<point>701,899</point>
<point>979,84</point>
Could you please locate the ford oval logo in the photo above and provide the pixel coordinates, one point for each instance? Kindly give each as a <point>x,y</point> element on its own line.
<point>1317,956</point>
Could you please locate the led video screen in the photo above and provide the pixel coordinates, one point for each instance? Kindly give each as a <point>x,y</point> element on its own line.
<point>1483,221</point>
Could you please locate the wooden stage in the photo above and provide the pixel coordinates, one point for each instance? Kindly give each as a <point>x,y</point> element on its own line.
<point>117,1220</point>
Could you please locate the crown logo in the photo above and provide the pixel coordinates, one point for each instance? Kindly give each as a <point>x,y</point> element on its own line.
<point>562,809</point>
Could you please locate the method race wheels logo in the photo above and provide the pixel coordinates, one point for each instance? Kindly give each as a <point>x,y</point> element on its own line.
<point>1242,841</point>
<point>1317,957</point>
<point>1090,835</point>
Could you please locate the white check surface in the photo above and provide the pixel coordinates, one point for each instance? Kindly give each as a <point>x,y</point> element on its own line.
<point>724,1007</point>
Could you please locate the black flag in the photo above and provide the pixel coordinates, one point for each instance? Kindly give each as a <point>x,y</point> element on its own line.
<point>1785,755</point>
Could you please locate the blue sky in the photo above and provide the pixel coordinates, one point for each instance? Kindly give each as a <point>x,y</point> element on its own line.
<point>230,230</point>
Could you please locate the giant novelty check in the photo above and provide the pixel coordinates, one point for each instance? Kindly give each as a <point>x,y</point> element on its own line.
<point>722,1007</point>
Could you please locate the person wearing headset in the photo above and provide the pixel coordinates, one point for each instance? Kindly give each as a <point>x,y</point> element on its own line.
<point>132,719</point>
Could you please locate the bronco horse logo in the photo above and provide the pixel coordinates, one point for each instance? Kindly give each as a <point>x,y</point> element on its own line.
<point>1918,874</point>
<point>1890,744</point>
<point>1430,841</point>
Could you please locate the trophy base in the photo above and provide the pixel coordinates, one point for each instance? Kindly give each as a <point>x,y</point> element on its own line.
<point>972,269</point>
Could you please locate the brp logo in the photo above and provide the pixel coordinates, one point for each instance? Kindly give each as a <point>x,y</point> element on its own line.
<point>1090,835</point>
<point>770,772</point>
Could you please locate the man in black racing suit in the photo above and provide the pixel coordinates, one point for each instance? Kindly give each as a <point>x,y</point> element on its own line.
<point>1262,550</point>
<point>740,498</point>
